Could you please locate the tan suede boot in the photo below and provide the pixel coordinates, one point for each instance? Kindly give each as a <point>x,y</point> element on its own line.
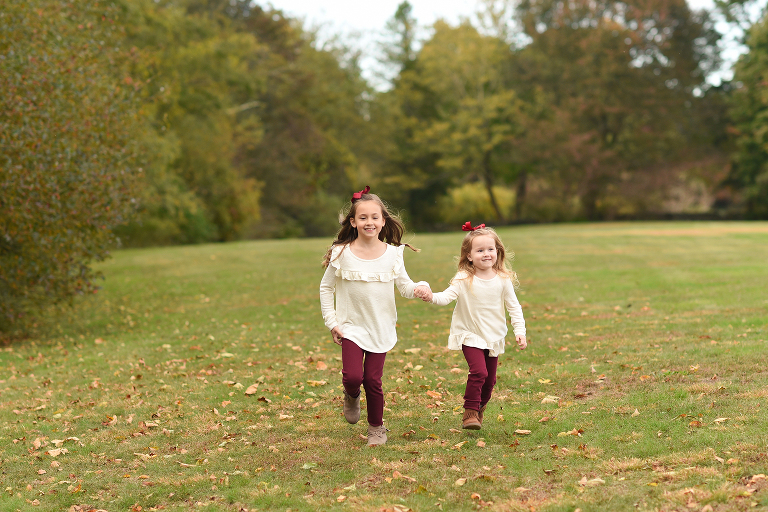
<point>377,435</point>
<point>351,408</point>
<point>480,413</point>
<point>471,421</point>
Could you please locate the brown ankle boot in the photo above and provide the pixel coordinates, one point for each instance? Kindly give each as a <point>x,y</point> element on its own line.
<point>351,407</point>
<point>377,435</point>
<point>471,420</point>
<point>480,413</point>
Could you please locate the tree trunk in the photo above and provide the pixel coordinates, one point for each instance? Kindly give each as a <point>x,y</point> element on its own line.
<point>488,179</point>
<point>522,188</point>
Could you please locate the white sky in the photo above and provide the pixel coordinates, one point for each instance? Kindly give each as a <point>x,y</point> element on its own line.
<point>363,21</point>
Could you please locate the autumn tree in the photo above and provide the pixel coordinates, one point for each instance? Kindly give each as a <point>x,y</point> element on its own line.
<point>68,115</point>
<point>629,78</point>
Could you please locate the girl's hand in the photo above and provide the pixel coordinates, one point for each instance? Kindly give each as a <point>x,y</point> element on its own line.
<point>424,293</point>
<point>521,342</point>
<point>337,335</point>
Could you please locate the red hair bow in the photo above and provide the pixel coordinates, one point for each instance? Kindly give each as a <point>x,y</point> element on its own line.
<point>359,195</point>
<point>468,227</point>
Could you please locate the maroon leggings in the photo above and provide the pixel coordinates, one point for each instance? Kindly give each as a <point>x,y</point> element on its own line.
<point>481,378</point>
<point>362,367</point>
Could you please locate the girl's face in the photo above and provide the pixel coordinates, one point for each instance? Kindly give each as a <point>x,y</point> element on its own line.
<point>483,253</point>
<point>368,220</point>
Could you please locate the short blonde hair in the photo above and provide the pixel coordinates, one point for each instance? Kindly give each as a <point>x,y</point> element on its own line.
<point>502,265</point>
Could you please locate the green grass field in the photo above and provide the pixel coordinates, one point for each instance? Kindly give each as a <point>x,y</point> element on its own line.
<point>644,387</point>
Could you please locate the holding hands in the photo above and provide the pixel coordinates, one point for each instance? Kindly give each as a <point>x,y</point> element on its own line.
<point>423,292</point>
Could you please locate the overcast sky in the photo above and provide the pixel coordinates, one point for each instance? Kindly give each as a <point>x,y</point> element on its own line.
<point>363,21</point>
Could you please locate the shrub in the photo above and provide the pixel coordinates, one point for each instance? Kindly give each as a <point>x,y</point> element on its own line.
<point>67,114</point>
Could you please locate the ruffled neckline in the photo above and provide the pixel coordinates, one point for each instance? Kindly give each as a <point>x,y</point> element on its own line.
<point>367,276</point>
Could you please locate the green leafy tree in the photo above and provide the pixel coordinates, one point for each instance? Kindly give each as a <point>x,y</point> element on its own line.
<point>198,71</point>
<point>311,108</point>
<point>749,111</point>
<point>68,174</point>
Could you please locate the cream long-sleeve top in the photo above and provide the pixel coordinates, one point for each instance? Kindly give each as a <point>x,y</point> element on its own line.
<point>479,320</point>
<point>365,298</point>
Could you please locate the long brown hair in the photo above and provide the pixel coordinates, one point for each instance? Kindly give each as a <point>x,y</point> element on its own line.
<point>392,232</point>
<point>502,265</point>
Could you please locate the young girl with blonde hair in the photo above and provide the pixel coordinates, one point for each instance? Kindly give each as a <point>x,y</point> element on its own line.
<point>483,287</point>
<point>360,266</point>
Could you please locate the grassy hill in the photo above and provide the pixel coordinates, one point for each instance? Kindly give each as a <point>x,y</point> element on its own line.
<point>644,385</point>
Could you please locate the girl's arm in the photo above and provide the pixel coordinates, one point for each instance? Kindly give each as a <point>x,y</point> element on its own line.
<point>404,283</point>
<point>406,286</point>
<point>514,308</point>
<point>446,297</point>
<point>327,289</point>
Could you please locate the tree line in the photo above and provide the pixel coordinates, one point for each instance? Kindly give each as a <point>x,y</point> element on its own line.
<point>149,122</point>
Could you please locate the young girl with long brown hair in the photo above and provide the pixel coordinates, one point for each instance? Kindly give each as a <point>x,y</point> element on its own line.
<point>360,266</point>
<point>483,287</point>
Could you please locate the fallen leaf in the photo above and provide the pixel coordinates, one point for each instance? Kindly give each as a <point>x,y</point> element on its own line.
<point>545,381</point>
<point>474,496</point>
<point>321,365</point>
<point>397,474</point>
<point>434,394</point>
<point>285,417</point>
<point>457,370</point>
<point>481,443</point>
<point>521,489</point>
<point>460,482</point>
<point>721,420</point>
<point>412,350</point>
<point>341,498</point>
<point>522,432</point>
<point>550,399</point>
<point>636,413</point>
<point>458,446</point>
<point>590,483</point>
<point>316,383</point>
